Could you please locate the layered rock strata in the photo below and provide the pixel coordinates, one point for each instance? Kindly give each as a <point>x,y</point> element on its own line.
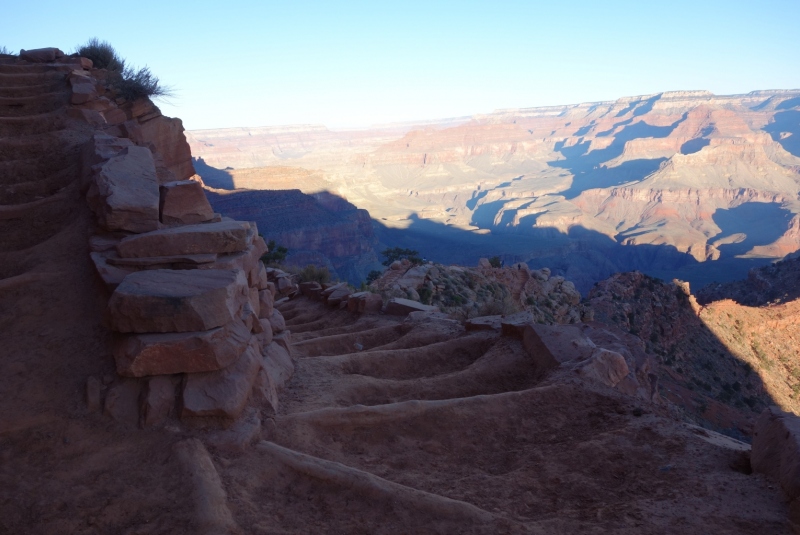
<point>191,305</point>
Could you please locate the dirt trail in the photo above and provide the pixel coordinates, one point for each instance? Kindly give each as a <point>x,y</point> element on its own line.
<point>62,468</point>
<point>460,436</point>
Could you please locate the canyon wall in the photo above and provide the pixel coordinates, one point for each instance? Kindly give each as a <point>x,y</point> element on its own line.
<point>708,183</point>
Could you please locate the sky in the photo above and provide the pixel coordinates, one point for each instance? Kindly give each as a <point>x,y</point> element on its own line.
<point>355,64</point>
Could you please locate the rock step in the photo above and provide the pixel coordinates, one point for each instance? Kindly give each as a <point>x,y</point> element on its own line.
<point>31,125</point>
<point>31,170</point>
<point>222,237</point>
<point>28,79</point>
<point>33,68</point>
<point>22,227</point>
<point>33,89</point>
<point>33,190</point>
<point>32,105</point>
<point>169,301</point>
<point>32,146</point>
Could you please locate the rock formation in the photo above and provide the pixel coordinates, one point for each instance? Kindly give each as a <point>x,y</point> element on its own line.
<point>660,183</point>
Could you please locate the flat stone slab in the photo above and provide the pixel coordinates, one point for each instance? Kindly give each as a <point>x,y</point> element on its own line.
<point>184,201</point>
<point>364,302</point>
<point>196,259</point>
<point>224,392</point>
<point>513,324</point>
<point>124,191</point>
<point>139,355</point>
<point>484,323</point>
<point>170,301</point>
<point>222,237</point>
<point>401,307</point>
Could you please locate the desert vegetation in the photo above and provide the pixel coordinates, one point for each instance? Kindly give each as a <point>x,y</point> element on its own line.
<point>129,82</point>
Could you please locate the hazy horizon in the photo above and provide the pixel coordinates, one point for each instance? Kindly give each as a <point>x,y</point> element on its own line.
<point>357,64</point>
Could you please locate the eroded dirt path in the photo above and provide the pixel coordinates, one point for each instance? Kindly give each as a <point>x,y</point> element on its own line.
<point>403,427</point>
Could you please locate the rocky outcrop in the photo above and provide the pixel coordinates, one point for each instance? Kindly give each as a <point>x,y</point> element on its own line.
<point>485,290</point>
<point>188,288</point>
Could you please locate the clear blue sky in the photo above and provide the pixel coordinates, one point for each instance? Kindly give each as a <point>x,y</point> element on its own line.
<point>250,63</point>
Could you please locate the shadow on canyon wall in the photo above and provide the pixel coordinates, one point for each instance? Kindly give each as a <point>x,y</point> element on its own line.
<point>586,166</point>
<point>585,256</point>
<point>213,177</point>
<point>785,128</point>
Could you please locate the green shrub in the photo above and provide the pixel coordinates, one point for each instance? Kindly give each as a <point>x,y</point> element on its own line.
<point>425,295</point>
<point>102,54</point>
<point>276,254</point>
<point>130,83</point>
<point>495,262</point>
<point>396,253</point>
<point>373,275</point>
<point>312,273</point>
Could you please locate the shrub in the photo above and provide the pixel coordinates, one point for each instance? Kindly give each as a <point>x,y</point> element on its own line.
<point>130,83</point>
<point>396,253</point>
<point>102,54</point>
<point>312,273</point>
<point>495,262</point>
<point>5,51</point>
<point>139,83</point>
<point>373,275</point>
<point>275,255</point>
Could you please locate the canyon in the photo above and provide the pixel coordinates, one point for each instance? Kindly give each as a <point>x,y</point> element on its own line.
<point>682,184</point>
<point>157,377</point>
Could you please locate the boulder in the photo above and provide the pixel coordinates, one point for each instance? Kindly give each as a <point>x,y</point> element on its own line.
<point>776,451</point>
<point>338,295</point>
<point>139,355</point>
<point>158,401</point>
<point>184,202</point>
<point>278,364</point>
<point>549,346</point>
<point>168,301</point>
<point>364,303</point>
<point>265,336</point>
<point>514,324</point>
<point>401,307</point>
<point>284,285</point>
<point>265,303</point>
<point>123,193</point>
<point>224,392</point>
<point>222,237</point>
<point>604,366</point>
<point>99,148</point>
<point>276,321</point>
<point>41,55</point>
<point>165,136</point>
<point>284,339</point>
<point>83,90</point>
<point>306,288</point>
